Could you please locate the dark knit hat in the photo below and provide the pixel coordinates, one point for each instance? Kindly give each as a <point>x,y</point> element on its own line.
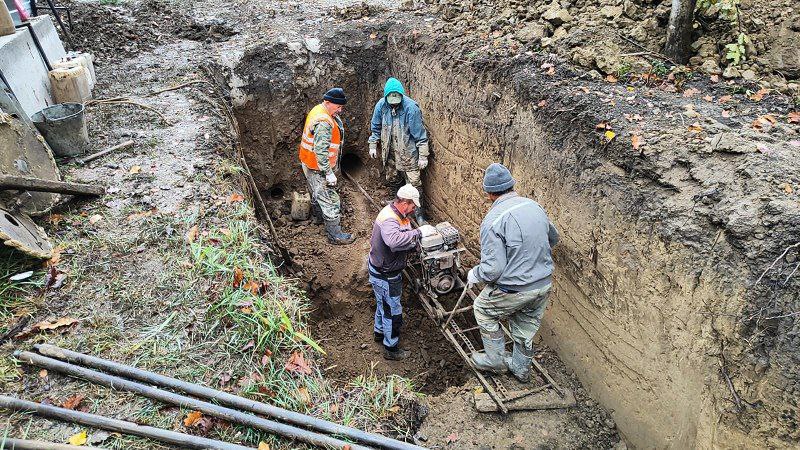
<point>335,96</point>
<point>497,179</point>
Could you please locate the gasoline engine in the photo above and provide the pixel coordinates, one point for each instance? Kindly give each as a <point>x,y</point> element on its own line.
<point>440,259</point>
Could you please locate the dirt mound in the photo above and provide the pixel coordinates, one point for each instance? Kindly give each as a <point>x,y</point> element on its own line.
<point>615,37</point>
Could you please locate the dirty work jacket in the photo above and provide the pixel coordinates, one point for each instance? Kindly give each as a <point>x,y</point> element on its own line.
<point>516,238</point>
<point>392,238</point>
<point>412,131</point>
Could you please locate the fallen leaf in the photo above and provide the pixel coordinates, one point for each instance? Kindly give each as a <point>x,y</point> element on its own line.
<point>794,117</point>
<point>248,346</point>
<point>691,92</point>
<point>246,310</point>
<point>611,78</point>
<point>265,358</point>
<point>95,218</point>
<point>43,373</point>
<point>765,121</point>
<point>726,113</point>
<point>78,439</point>
<point>225,232</point>
<point>478,390</point>
<point>695,128</point>
<point>263,445</point>
<point>603,126</point>
<point>394,409</point>
<point>714,78</point>
<point>192,418</point>
<point>609,135</point>
<point>252,286</point>
<point>141,215</point>
<point>235,197</point>
<point>55,219</point>
<point>636,140</point>
<point>452,437</point>
<point>62,322</point>
<point>225,378</point>
<point>542,104</point>
<point>759,95</point>
<point>786,187</point>
<point>297,363</point>
<point>135,169</point>
<point>191,235</point>
<point>56,256</point>
<point>371,36</point>
<point>708,98</point>
<point>724,99</point>
<point>238,276</point>
<point>303,395</point>
<point>73,402</point>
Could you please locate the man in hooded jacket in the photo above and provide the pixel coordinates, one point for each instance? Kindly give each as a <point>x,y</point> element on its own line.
<point>397,124</point>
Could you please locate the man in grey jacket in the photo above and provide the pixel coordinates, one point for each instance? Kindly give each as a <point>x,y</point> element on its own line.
<point>516,265</point>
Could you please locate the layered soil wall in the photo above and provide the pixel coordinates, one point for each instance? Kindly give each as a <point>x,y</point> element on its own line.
<point>654,300</point>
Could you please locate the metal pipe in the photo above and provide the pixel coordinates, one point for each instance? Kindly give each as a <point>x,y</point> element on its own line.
<point>36,43</point>
<point>228,414</point>
<point>223,398</point>
<point>120,426</point>
<point>61,24</point>
<point>27,444</point>
<point>458,303</point>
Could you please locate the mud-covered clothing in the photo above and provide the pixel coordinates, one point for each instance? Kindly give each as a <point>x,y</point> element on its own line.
<point>388,309</point>
<point>524,311</point>
<point>322,141</point>
<point>399,178</point>
<point>325,196</point>
<point>400,130</point>
<point>516,241</point>
<point>392,238</point>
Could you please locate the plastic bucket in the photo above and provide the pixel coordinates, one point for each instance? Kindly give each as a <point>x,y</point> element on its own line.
<point>64,128</point>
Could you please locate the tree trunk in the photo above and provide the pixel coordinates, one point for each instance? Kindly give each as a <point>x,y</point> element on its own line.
<point>679,30</point>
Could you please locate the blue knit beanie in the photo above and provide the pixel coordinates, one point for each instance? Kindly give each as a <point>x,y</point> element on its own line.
<point>393,85</point>
<point>497,179</point>
<point>335,96</point>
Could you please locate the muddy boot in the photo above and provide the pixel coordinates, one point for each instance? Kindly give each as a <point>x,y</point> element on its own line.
<point>316,214</point>
<point>519,364</point>
<point>377,337</point>
<point>394,353</point>
<point>419,215</point>
<point>335,234</point>
<point>491,358</point>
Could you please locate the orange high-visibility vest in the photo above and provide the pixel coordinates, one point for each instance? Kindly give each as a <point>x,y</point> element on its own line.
<point>388,213</point>
<point>307,156</point>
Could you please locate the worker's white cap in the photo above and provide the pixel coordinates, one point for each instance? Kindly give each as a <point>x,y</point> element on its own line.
<point>409,192</point>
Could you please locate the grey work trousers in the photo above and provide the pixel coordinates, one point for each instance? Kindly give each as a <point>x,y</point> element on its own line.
<point>524,311</point>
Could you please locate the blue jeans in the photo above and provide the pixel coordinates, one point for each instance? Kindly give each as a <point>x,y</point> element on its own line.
<point>388,310</point>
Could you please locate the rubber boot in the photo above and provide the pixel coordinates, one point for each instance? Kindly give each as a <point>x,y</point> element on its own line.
<point>519,363</point>
<point>377,337</point>
<point>335,234</point>
<point>419,215</point>
<point>316,214</point>
<point>491,358</point>
<point>394,353</point>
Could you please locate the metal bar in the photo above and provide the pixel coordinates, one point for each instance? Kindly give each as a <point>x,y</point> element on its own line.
<point>223,398</point>
<point>106,423</point>
<point>27,444</point>
<point>458,303</point>
<point>37,44</point>
<point>231,415</point>
<point>61,24</point>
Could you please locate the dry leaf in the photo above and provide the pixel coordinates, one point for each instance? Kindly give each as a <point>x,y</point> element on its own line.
<point>43,373</point>
<point>691,92</point>
<point>765,121</point>
<point>724,99</point>
<point>73,402</point>
<point>794,117</point>
<point>609,135</point>
<point>695,128</point>
<point>708,98</point>
<point>265,358</point>
<point>62,322</point>
<point>394,409</point>
<point>611,78</point>
<point>726,113</point>
<point>135,169</point>
<point>55,219</point>
<point>786,187</point>
<point>758,96</point>
<point>303,395</point>
<point>542,104</point>
<point>297,363</point>
<point>714,78</point>
<point>56,256</point>
<point>452,437</point>
<point>238,276</point>
<point>248,346</point>
<point>225,232</point>
<point>191,235</point>
<point>252,286</point>
<point>263,445</point>
<point>602,126</point>
<point>192,418</point>
<point>95,218</point>
<point>235,197</point>
<point>636,140</point>
<point>78,439</point>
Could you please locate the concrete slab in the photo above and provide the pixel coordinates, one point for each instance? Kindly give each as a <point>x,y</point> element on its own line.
<point>23,66</point>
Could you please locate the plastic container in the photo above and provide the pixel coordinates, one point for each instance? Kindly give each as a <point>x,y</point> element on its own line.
<point>301,206</point>
<point>64,128</point>
<point>81,59</point>
<point>70,84</point>
<point>6,22</point>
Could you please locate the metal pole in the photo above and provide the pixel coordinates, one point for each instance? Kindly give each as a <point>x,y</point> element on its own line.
<point>27,444</point>
<point>231,415</point>
<point>37,44</point>
<point>61,24</point>
<point>458,303</point>
<point>106,423</point>
<point>224,398</point>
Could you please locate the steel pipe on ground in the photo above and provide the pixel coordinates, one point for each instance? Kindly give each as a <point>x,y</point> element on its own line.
<point>224,398</point>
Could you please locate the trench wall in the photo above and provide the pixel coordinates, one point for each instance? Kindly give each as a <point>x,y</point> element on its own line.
<point>633,309</point>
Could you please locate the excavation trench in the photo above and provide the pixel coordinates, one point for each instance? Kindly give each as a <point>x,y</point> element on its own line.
<point>629,279</point>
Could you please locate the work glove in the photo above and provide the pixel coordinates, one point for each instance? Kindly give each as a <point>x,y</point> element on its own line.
<point>373,150</point>
<point>423,162</point>
<point>330,177</point>
<point>427,230</point>
<point>472,278</point>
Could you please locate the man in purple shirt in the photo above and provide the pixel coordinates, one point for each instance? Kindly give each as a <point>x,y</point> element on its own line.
<point>392,238</point>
